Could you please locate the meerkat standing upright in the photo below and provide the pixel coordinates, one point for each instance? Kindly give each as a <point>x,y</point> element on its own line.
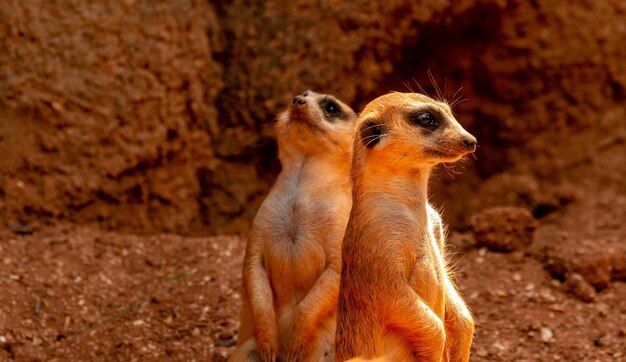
<point>396,297</point>
<point>293,256</point>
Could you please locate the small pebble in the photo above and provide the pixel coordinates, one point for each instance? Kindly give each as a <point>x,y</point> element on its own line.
<point>482,251</point>
<point>499,346</point>
<point>21,228</point>
<point>516,277</point>
<point>3,339</point>
<point>556,307</point>
<point>547,296</point>
<point>138,323</point>
<point>546,334</point>
<point>37,307</point>
<point>603,309</point>
<point>482,352</point>
<point>555,283</point>
<point>602,341</point>
<point>578,286</point>
<point>228,343</point>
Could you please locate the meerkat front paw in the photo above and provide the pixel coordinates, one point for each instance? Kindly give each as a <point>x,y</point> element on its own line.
<point>300,344</point>
<point>296,349</point>
<point>268,349</point>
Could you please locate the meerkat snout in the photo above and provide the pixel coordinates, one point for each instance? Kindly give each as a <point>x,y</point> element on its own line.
<point>298,101</point>
<point>470,143</point>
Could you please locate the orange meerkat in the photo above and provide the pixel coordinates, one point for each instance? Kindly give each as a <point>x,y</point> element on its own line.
<point>293,255</point>
<point>397,300</point>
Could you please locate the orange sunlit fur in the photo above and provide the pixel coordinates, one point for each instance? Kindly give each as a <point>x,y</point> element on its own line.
<point>293,256</point>
<point>397,300</point>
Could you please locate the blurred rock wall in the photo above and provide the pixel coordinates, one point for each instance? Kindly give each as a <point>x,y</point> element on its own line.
<point>156,115</point>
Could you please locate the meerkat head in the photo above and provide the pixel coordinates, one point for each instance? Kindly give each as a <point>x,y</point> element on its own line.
<point>410,130</point>
<point>315,123</point>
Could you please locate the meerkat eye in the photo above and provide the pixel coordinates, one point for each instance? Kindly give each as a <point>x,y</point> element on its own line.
<point>332,109</point>
<point>426,120</point>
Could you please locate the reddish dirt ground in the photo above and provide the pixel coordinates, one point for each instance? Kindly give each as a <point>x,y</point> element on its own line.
<point>82,294</point>
<point>79,294</point>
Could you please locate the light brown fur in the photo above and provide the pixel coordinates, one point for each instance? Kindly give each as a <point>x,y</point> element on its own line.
<point>293,256</point>
<point>397,299</point>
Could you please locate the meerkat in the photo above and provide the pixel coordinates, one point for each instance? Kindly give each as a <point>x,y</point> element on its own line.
<point>397,300</point>
<point>293,255</point>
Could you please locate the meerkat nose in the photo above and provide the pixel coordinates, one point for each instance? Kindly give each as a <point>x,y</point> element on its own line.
<point>469,143</point>
<point>298,100</point>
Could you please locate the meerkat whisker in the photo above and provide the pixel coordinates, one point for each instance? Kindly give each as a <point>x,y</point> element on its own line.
<point>419,87</point>
<point>408,86</point>
<point>435,85</point>
<point>372,140</point>
<point>448,171</point>
<point>455,95</point>
<point>460,101</point>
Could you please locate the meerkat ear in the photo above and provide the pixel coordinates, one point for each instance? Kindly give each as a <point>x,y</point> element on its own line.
<point>371,133</point>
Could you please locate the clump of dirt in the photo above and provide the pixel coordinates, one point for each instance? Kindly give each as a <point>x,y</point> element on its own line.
<point>523,190</point>
<point>593,260</point>
<point>504,228</point>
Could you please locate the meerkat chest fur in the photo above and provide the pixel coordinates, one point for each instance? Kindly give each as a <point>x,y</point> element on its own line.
<point>429,268</point>
<point>301,216</point>
<point>403,223</point>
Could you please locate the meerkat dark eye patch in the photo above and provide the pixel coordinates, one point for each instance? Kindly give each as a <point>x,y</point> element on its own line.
<point>371,133</point>
<point>331,109</point>
<point>425,120</point>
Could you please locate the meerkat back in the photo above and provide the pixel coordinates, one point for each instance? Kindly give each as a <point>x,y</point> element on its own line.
<point>293,255</point>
